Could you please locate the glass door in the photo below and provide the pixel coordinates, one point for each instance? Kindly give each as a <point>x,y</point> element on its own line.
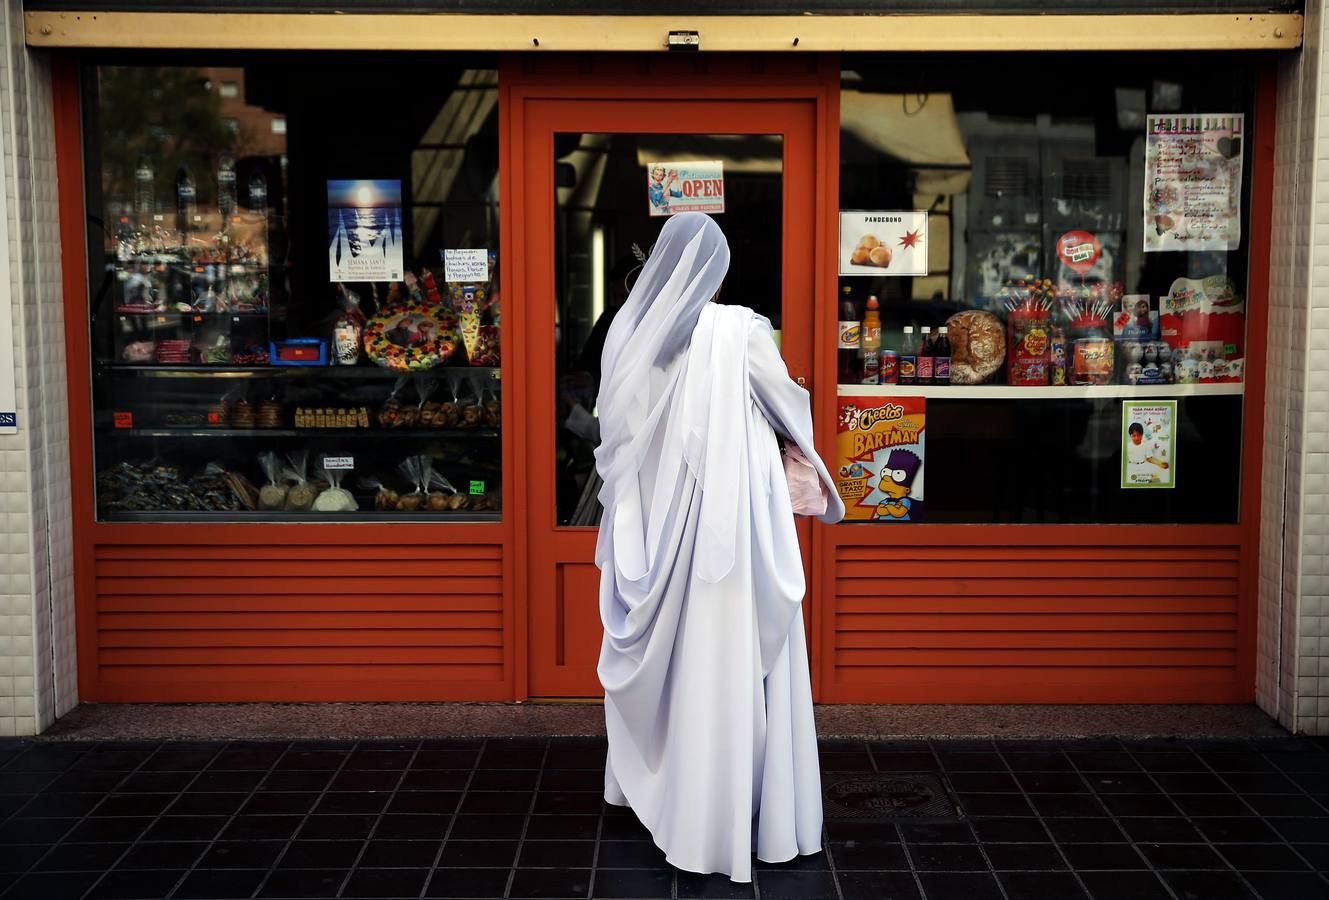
<point>598,176</point>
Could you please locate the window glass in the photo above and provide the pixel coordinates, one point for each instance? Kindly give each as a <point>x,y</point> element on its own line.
<point>294,308</point>
<point>1094,354</point>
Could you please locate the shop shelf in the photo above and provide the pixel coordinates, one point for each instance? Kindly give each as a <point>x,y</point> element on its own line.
<point>1066,392</point>
<point>484,433</point>
<point>347,372</point>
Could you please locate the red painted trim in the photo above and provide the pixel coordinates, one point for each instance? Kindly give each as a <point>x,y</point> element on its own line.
<point>1257,365</point>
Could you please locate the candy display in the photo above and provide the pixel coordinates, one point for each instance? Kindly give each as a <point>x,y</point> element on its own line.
<point>151,487</point>
<point>978,346</point>
<point>410,338</point>
<point>1203,321</point>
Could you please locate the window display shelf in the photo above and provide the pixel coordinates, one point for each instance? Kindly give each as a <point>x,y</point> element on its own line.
<point>482,433</point>
<point>366,372</point>
<point>281,516</point>
<point>1049,392</point>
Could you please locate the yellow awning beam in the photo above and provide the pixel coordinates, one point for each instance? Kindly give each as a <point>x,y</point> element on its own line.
<point>552,33</point>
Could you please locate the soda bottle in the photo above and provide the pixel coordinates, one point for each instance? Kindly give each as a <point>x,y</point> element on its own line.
<point>908,365</point>
<point>925,357</point>
<point>849,338</point>
<point>941,358</point>
<point>870,340</point>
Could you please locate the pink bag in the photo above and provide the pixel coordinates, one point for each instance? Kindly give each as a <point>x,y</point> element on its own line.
<point>806,491</point>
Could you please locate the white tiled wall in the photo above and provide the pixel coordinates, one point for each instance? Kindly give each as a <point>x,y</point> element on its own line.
<point>37,679</point>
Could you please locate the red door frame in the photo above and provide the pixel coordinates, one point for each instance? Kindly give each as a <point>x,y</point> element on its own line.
<point>735,95</point>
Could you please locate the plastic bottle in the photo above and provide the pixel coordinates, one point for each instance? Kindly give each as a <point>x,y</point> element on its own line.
<point>925,356</point>
<point>908,371</point>
<point>941,357</point>
<point>849,332</point>
<point>870,341</point>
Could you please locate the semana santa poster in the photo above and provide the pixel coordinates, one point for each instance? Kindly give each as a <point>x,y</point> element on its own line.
<point>1192,183</point>
<point>883,242</point>
<point>690,186</point>
<point>364,230</point>
<point>879,458</point>
<point>1148,444</point>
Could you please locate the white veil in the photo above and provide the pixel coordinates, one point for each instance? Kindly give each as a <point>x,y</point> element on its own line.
<point>685,269</point>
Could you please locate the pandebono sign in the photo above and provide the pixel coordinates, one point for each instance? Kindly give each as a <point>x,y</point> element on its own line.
<point>694,186</point>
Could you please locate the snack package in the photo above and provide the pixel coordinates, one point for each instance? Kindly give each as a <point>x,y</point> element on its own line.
<point>241,487</point>
<point>303,492</point>
<point>1203,320</point>
<point>417,470</point>
<point>347,330</point>
<point>336,498</point>
<point>273,494</point>
<point>391,414</point>
<point>491,414</point>
<point>426,410</point>
<point>469,411</point>
<point>448,412</point>
<point>385,498</point>
<point>443,496</point>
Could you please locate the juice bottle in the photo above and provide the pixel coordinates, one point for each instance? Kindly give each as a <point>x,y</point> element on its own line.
<point>849,332</point>
<point>925,357</point>
<point>871,343</point>
<point>941,359</point>
<point>908,368</point>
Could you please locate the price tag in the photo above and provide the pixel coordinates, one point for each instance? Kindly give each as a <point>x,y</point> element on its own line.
<point>338,462</point>
<point>466,265</point>
<point>477,488</point>
<point>214,418</point>
<point>123,419</point>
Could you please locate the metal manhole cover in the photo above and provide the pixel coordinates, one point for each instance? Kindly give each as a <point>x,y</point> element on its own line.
<point>884,795</point>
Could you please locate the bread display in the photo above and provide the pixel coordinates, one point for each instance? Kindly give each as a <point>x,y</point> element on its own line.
<point>978,346</point>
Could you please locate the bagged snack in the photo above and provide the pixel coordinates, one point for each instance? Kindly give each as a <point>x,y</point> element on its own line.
<point>273,494</point>
<point>447,414</point>
<point>491,414</point>
<point>443,496</point>
<point>336,498</point>
<point>468,407</point>
<point>385,498</point>
<point>302,494</point>
<point>426,411</point>
<point>390,414</point>
<point>417,470</point>
<point>347,330</point>
<point>242,488</point>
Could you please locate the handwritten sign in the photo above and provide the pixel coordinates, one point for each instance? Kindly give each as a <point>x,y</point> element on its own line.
<point>333,463</point>
<point>466,266</point>
<point>1192,184</point>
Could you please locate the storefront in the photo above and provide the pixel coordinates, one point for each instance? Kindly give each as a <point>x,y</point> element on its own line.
<point>332,346</point>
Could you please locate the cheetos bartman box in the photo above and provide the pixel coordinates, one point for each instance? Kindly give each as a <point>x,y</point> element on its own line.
<point>879,464</point>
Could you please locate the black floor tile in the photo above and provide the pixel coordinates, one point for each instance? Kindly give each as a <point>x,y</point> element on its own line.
<point>383,854</point>
<point>311,759</point>
<point>445,759</point>
<point>868,856</point>
<point>952,886</point>
<point>1103,761</point>
<point>947,858</point>
<point>386,883</point>
<point>1082,830</point>
<point>899,761</point>
<point>1237,830</point>
<point>478,883</point>
<point>631,883</point>
<point>1284,805</point>
<point>344,827</point>
<point>163,855</point>
<point>803,862</point>
<point>1103,856</point>
<point>259,828</point>
<point>56,806</point>
<point>136,885</point>
<point>996,804</point>
<point>1024,857</point>
<point>692,886</point>
<point>499,758</point>
<point>1052,805</point>
<point>526,779</point>
<point>242,854</point>
<point>1301,829</point>
<point>1261,857</point>
<point>1316,854</point>
<point>364,802</point>
<point>48,831</point>
<point>379,759</point>
<point>581,855</point>
<point>617,855</point>
<point>550,883</point>
<point>413,825</point>
<point>1205,805</point>
<point>272,803</point>
<point>478,854</point>
<point>1124,885</point>
<point>69,857</point>
<point>224,884</point>
<point>1139,805</point>
<point>483,827</point>
<point>875,886</point>
<point>247,759</point>
<point>1050,783</point>
<point>563,803</point>
<point>1121,783</point>
<point>624,828</point>
<point>207,804</point>
<point>965,761</point>
<point>319,854</point>
<point>365,781</point>
<point>929,832</point>
<point>1175,830</point>
<point>989,782</point>
<point>1038,761</point>
<point>574,828</point>
<point>1208,886</point>
<point>1170,762</point>
<point>226,781</point>
<point>1284,885</point>
<point>1181,856</point>
<point>296,780</point>
<point>286,883</point>
<point>1041,886</point>
<point>874,832</point>
<point>1261,783</point>
<point>790,885</point>
<point>49,885</point>
<point>434,780</point>
<point>91,830</point>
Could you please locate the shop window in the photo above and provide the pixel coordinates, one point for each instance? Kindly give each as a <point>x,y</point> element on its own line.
<point>1079,227</point>
<point>295,316</point>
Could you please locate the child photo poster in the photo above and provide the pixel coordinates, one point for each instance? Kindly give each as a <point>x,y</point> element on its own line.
<point>1148,443</point>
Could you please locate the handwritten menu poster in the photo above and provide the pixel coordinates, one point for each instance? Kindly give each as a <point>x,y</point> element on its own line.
<point>1192,183</point>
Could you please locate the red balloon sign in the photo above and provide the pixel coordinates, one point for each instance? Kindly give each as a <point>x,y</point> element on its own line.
<point>1079,250</point>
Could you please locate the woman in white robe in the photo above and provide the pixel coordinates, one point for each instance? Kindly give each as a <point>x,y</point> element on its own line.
<point>708,697</point>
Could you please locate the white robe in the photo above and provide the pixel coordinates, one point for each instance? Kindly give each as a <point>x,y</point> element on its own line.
<point>708,696</point>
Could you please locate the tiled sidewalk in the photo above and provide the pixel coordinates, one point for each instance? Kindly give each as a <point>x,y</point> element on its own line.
<point>1111,820</point>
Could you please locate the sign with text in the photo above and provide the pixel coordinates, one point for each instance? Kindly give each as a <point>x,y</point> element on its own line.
<point>883,242</point>
<point>466,266</point>
<point>365,240</point>
<point>1192,182</point>
<point>692,186</point>
<point>879,458</point>
<point>1148,444</point>
<point>335,463</point>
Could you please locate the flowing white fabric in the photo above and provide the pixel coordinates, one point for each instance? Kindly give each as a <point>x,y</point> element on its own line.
<point>708,700</point>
